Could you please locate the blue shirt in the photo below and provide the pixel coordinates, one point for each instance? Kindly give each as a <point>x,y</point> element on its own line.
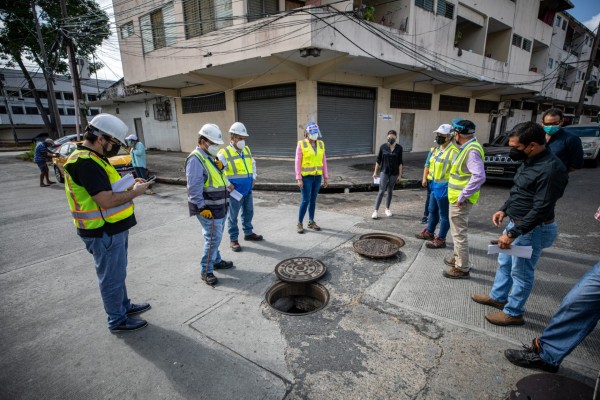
<point>40,153</point>
<point>242,185</point>
<point>567,147</point>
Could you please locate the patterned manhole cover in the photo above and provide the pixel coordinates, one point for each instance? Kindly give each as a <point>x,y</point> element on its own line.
<point>300,269</point>
<point>376,248</point>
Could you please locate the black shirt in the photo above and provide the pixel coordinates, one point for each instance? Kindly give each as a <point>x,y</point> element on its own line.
<point>538,184</point>
<point>87,173</point>
<point>568,148</point>
<point>390,161</point>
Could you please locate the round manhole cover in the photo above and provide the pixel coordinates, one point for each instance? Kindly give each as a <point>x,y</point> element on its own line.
<point>376,248</point>
<point>385,236</point>
<point>300,269</point>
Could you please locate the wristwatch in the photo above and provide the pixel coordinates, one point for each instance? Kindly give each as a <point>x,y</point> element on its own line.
<point>512,234</point>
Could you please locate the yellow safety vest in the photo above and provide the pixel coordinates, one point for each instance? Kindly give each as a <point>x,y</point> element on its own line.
<point>429,176</point>
<point>238,167</point>
<point>440,163</point>
<point>215,189</point>
<point>312,160</point>
<point>86,213</point>
<point>460,175</point>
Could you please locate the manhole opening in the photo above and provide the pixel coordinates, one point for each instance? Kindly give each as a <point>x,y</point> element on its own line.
<point>297,298</point>
<point>378,245</point>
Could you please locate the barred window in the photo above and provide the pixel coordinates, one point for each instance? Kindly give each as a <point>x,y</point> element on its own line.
<point>353,92</point>
<point>410,100</point>
<point>261,8</point>
<point>203,16</point>
<point>453,103</point>
<point>445,8</point>
<point>266,92</point>
<point>526,44</point>
<point>528,105</point>
<point>517,40</point>
<point>127,30</point>
<point>203,103</point>
<point>158,28</point>
<point>485,106</point>
<point>425,4</point>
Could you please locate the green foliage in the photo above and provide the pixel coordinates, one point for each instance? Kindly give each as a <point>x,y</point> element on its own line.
<point>369,14</point>
<point>28,156</point>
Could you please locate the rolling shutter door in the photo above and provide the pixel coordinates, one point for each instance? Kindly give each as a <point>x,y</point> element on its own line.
<point>346,119</point>
<point>269,114</point>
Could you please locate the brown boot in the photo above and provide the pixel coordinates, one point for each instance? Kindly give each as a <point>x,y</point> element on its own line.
<point>488,301</point>
<point>235,246</point>
<point>455,273</point>
<point>502,319</point>
<point>425,235</point>
<point>450,261</point>
<point>299,228</point>
<point>437,243</point>
<point>313,225</point>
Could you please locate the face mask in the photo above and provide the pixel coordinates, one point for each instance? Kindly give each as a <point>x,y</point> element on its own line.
<point>391,140</point>
<point>440,140</point>
<point>313,136</point>
<point>517,155</point>
<point>213,149</point>
<point>241,144</point>
<point>552,129</point>
<point>114,149</point>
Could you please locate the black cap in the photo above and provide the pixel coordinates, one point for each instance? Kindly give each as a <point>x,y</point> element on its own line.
<point>464,127</point>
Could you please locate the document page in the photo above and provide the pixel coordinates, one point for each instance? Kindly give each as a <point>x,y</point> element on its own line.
<point>518,251</point>
<point>123,184</point>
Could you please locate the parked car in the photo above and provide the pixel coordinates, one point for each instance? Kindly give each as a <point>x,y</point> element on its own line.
<point>498,165</point>
<point>65,139</point>
<point>121,162</point>
<point>40,137</point>
<point>590,140</point>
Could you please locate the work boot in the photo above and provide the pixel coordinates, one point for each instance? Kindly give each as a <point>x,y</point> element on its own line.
<point>425,235</point>
<point>299,228</point>
<point>488,301</point>
<point>209,278</point>
<point>254,237</point>
<point>500,318</point>
<point>455,273</point>
<point>223,265</point>
<point>437,243</point>
<point>235,246</point>
<point>529,358</point>
<point>130,325</point>
<point>313,225</point>
<point>450,261</point>
<point>138,308</point>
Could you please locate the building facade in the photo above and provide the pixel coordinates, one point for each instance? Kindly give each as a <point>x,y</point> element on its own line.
<point>358,71</point>
<point>25,115</point>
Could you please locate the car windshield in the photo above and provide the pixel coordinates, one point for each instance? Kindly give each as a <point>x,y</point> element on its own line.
<point>584,131</point>
<point>500,141</point>
<point>122,151</point>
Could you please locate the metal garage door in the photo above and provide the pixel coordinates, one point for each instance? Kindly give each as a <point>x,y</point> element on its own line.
<point>269,114</point>
<point>346,118</point>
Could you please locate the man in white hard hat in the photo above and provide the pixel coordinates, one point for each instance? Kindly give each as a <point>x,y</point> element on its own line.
<point>103,217</point>
<point>240,170</point>
<point>207,198</point>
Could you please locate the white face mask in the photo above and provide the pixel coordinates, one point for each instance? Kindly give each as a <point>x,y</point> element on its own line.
<point>213,149</point>
<point>241,144</point>
<point>314,136</point>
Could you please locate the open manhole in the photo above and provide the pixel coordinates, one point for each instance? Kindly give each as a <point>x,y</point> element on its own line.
<point>297,298</point>
<point>378,245</point>
<point>300,269</point>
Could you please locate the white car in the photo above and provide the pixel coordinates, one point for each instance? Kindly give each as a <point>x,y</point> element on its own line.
<point>590,140</point>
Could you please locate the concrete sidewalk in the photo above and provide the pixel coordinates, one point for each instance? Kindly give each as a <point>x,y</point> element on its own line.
<point>350,174</point>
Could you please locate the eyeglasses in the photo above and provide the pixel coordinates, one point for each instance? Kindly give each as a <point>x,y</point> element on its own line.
<point>554,123</point>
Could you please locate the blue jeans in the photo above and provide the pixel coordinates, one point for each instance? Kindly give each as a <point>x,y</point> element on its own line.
<point>427,200</point>
<point>575,318</point>
<point>514,277</point>
<point>246,205</point>
<point>310,190</point>
<point>110,258</point>
<point>212,230</point>
<point>438,210</point>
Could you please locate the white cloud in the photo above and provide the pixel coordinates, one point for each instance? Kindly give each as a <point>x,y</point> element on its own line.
<point>592,23</point>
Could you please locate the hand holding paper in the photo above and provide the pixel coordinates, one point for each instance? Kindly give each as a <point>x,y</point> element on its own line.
<point>518,251</point>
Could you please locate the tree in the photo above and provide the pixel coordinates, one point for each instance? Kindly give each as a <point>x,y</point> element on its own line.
<point>86,27</point>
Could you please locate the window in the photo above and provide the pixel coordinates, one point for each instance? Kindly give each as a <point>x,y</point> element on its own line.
<point>527,45</point>
<point>203,16</point>
<point>203,103</point>
<point>61,111</point>
<point>31,111</point>
<point>2,110</point>
<point>42,94</point>
<point>27,94</point>
<point>261,8</point>
<point>517,40</point>
<point>578,75</point>
<point>564,25</point>
<point>68,96</point>
<point>92,97</point>
<point>558,20</point>
<point>485,106</point>
<point>158,28</point>
<point>410,100</point>
<point>162,111</point>
<point>425,4</point>
<point>13,93</point>
<point>453,103</point>
<point>70,111</point>
<point>550,63</point>
<point>94,111</point>
<point>445,8</point>
<point>127,30</point>
<point>17,110</point>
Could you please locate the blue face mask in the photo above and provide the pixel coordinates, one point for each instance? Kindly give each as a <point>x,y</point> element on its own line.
<point>551,130</point>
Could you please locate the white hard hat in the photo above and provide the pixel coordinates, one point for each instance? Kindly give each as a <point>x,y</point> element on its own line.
<point>238,129</point>
<point>131,137</point>
<point>110,125</point>
<point>212,133</point>
<point>444,129</point>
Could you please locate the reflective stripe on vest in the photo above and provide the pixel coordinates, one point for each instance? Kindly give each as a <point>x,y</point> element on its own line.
<point>237,166</point>
<point>441,161</point>
<point>84,210</point>
<point>215,190</point>
<point>460,175</point>
<point>312,159</point>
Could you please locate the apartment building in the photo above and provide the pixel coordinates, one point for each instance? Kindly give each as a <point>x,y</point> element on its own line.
<point>25,115</point>
<point>357,69</point>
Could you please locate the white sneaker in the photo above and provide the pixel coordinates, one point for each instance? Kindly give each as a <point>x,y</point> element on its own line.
<point>388,213</point>
<point>375,215</point>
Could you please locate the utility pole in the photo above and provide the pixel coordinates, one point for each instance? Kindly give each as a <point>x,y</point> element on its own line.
<point>50,84</point>
<point>8,110</point>
<point>588,73</point>
<point>75,83</point>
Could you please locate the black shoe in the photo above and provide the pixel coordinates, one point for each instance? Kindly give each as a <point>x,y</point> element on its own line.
<point>209,278</point>
<point>130,325</point>
<point>223,265</point>
<point>138,309</point>
<point>528,359</point>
